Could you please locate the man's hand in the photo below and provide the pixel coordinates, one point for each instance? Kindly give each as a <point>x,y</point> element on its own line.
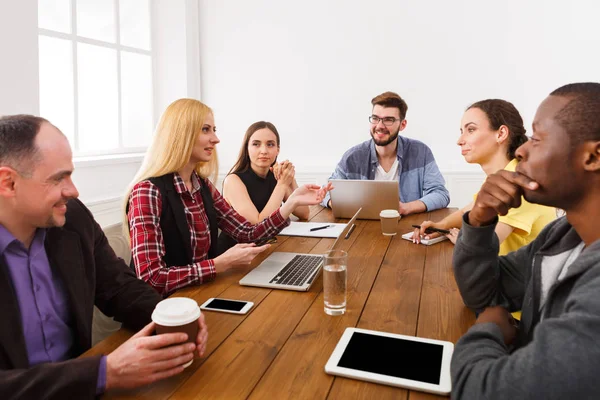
<point>403,209</point>
<point>411,207</point>
<point>202,337</point>
<point>501,317</point>
<point>500,192</point>
<point>144,359</point>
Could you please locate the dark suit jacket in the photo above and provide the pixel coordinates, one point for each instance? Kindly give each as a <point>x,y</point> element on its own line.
<point>92,274</point>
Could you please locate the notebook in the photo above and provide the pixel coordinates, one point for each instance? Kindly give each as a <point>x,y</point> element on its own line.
<point>426,242</point>
<point>291,271</point>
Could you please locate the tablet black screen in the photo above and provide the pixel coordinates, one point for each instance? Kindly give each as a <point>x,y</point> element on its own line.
<point>400,358</point>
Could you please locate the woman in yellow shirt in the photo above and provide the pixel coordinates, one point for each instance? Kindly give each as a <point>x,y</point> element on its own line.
<point>490,132</point>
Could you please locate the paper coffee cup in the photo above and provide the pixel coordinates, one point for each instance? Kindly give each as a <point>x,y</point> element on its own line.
<point>389,222</point>
<point>177,314</point>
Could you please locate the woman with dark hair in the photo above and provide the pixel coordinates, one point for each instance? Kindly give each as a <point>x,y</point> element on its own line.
<point>256,185</point>
<point>490,133</point>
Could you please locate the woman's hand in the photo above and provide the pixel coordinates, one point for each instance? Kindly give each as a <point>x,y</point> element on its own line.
<point>453,235</point>
<point>422,232</point>
<point>241,254</point>
<point>286,174</point>
<point>276,168</point>
<point>308,195</point>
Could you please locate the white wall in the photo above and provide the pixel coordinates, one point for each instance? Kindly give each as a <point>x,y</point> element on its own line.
<point>102,183</point>
<point>312,68</point>
<point>19,86</point>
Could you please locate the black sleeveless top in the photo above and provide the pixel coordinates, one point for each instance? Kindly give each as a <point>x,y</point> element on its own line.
<point>260,190</point>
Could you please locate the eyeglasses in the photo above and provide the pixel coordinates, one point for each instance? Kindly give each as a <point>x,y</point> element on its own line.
<point>387,121</point>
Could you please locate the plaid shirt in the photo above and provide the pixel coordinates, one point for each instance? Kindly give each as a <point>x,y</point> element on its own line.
<point>148,250</point>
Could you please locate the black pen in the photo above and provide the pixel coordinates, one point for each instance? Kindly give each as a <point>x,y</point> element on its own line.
<point>350,231</point>
<point>318,228</point>
<point>430,229</point>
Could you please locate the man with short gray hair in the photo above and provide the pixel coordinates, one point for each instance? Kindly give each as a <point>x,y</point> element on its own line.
<point>55,265</point>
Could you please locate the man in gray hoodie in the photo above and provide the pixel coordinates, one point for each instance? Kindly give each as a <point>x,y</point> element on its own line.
<point>555,351</point>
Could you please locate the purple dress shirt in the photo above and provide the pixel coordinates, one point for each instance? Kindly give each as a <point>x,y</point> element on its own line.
<point>43,302</point>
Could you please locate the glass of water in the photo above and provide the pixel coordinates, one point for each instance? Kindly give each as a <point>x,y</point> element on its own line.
<point>334,281</point>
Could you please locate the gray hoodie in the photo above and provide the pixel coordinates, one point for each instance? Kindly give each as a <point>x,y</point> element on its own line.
<point>557,350</point>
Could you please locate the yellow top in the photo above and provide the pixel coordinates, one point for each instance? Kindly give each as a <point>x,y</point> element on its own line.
<point>528,221</point>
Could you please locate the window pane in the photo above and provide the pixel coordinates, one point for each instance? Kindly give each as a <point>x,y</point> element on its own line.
<point>136,99</point>
<point>56,84</point>
<point>55,15</point>
<point>98,99</point>
<point>134,16</point>
<point>96,19</point>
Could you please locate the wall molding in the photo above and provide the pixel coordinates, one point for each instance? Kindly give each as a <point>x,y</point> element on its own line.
<point>461,185</point>
<point>107,212</point>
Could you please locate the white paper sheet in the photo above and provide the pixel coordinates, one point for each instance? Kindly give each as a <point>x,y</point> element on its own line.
<point>303,229</point>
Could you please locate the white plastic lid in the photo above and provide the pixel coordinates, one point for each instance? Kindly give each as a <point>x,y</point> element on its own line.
<point>176,311</point>
<point>389,213</point>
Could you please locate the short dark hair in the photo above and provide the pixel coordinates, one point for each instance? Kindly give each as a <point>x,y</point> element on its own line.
<point>391,99</point>
<point>501,112</point>
<point>581,115</point>
<point>17,141</point>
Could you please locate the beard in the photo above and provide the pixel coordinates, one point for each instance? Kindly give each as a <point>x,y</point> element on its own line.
<point>384,142</point>
<point>57,220</point>
<point>54,222</point>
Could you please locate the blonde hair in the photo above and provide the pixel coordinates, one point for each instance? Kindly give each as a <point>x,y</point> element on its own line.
<point>172,146</point>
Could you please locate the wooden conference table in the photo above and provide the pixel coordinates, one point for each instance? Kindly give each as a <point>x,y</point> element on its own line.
<point>279,349</point>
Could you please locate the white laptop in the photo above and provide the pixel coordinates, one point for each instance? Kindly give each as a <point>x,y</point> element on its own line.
<point>290,271</point>
<point>372,196</point>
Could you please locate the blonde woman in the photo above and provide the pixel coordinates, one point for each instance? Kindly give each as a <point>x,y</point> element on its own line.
<point>173,210</point>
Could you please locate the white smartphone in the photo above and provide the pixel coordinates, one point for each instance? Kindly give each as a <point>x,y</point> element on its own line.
<point>226,305</point>
<point>390,359</point>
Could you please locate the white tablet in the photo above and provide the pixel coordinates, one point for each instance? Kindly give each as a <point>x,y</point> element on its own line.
<point>396,360</point>
<point>426,242</point>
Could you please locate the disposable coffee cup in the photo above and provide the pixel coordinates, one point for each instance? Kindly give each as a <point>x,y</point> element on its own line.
<point>177,314</point>
<point>389,222</point>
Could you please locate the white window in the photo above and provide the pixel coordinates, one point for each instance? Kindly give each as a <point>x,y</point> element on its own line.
<point>96,73</point>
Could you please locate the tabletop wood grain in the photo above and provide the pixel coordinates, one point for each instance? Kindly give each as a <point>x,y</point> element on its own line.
<point>279,349</point>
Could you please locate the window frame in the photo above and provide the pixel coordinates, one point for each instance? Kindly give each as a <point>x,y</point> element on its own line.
<point>74,39</point>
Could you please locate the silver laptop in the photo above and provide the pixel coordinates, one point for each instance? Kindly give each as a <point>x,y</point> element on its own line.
<point>373,196</point>
<point>291,271</point>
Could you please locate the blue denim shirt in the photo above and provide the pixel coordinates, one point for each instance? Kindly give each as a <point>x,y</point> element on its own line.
<point>418,174</point>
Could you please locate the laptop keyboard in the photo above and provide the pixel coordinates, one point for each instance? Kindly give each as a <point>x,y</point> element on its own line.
<point>297,271</point>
